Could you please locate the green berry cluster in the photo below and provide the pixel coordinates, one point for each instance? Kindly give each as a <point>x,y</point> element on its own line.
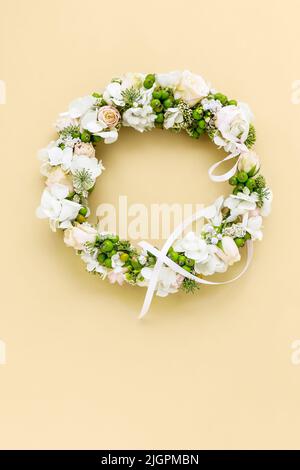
<point>223,99</point>
<point>162,99</point>
<point>243,179</point>
<point>240,241</point>
<point>181,260</point>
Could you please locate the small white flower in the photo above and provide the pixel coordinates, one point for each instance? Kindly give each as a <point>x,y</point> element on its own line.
<point>80,106</point>
<point>54,205</point>
<point>173,116</point>
<point>54,155</point>
<point>140,118</point>
<point>253,226</point>
<point>64,121</point>
<point>109,136</point>
<point>93,265</point>
<point>142,259</point>
<point>92,165</point>
<point>113,94</point>
<point>211,264</point>
<point>117,263</point>
<point>192,246</point>
<point>240,204</point>
<point>211,105</point>
<point>167,280</point>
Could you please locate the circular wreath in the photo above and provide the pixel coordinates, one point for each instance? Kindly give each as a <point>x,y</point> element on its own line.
<point>177,101</point>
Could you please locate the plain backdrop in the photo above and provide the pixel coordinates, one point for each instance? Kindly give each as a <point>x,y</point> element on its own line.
<point>211,370</point>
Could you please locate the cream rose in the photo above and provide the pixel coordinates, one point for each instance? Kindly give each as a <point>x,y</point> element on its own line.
<point>86,149</point>
<point>249,162</point>
<point>191,88</point>
<point>58,176</point>
<point>79,235</point>
<point>109,115</point>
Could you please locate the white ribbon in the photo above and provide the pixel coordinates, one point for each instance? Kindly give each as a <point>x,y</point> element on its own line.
<point>162,258</point>
<point>228,174</point>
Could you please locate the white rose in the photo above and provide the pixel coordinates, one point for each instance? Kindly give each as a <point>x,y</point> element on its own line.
<point>191,89</point>
<point>140,118</point>
<point>79,235</point>
<point>172,116</point>
<point>249,162</point>
<point>233,123</point>
<point>57,176</point>
<point>169,80</point>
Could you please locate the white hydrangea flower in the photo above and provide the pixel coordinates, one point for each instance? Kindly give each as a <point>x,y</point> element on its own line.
<point>80,106</point>
<point>54,155</point>
<point>172,117</point>
<point>212,263</point>
<point>93,265</point>
<point>55,207</point>
<point>140,118</point>
<point>167,280</point>
<point>193,247</point>
<point>240,204</point>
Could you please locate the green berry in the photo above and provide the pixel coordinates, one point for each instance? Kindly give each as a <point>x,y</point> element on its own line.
<point>165,95</point>
<point>197,114</point>
<point>200,131</point>
<point>194,134</point>
<point>156,94</point>
<point>83,211</point>
<point>115,239</point>
<point>240,242</point>
<point>107,246</point>
<point>149,80</point>
<point>242,176</point>
<point>202,124</point>
<point>101,258</point>
<point>251,184</point>
<point>85,136</point>
<point>190,262</point>
<point>187,268</point>
<point>232,102</point>
<point>111,253</point>
<point>168,103</point>
<point>80,218</point>
<point>247,236</point>
<point>174,256</point>
<point>124,257</point>
<point>233,181</point>
<point>96,138</point>
<point>156,105</point>
<point>108,263</point>
<point>159,118</point>
<point>222,98</point>
<point>181,260</point>
<point>135,263</point>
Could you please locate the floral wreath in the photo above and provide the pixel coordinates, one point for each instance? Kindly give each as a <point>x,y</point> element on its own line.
<point>177,101</point>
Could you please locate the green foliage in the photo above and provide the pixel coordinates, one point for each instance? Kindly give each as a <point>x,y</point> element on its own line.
<point>250,141</point>
<point>130,96</point>
<point>189,286</point>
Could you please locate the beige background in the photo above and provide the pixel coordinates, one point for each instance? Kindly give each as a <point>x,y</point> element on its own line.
<point>205,371</point>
